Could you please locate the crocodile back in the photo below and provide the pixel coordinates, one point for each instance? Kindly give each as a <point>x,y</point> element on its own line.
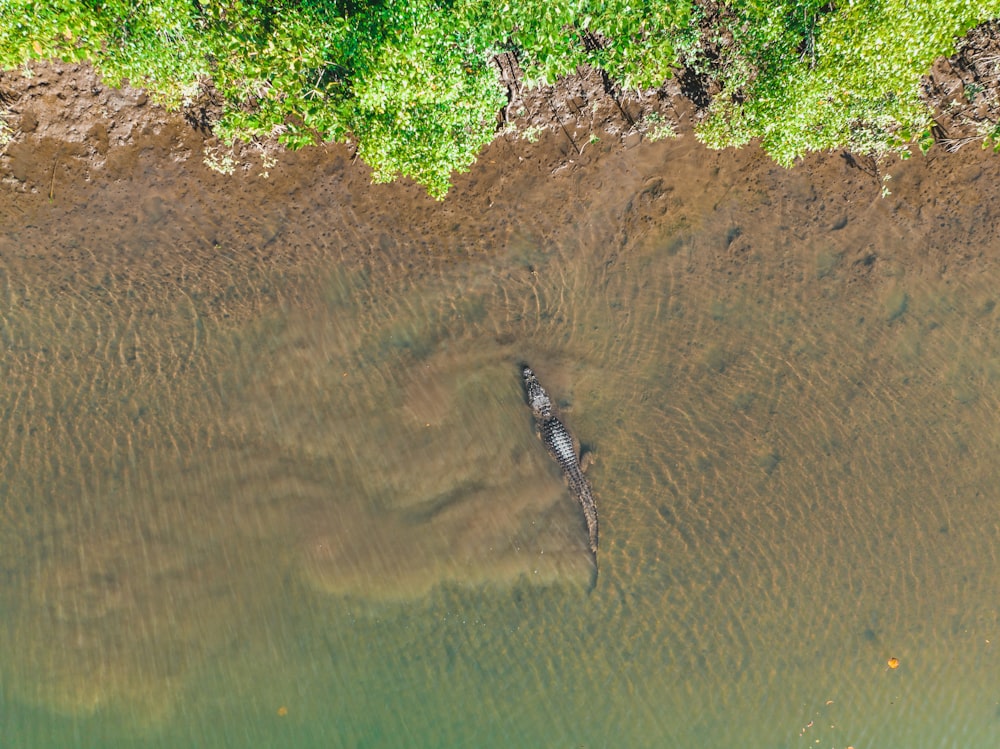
<point>559,443</point>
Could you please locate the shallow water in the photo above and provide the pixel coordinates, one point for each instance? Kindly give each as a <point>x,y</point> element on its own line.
<point>299,502</point>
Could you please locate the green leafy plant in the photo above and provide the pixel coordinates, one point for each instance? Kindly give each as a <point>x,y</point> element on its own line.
<point>657,128</point>
<point>410,81</point>
<point>806,75</point>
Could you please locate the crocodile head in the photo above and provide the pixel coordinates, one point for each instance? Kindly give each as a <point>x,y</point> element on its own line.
<point>538,399</point>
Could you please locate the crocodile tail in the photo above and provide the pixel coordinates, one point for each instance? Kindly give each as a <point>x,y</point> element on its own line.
<point>584,495</point>
<point>591,514</point>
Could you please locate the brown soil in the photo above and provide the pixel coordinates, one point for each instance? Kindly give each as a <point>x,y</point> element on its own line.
<point>964,89</point>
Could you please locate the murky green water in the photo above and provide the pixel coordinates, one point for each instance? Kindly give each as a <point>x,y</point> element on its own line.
<point>309,509</point>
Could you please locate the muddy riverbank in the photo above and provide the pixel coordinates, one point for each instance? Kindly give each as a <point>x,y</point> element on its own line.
<point>266,454</point>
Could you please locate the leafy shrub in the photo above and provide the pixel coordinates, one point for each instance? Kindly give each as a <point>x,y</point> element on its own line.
<point>631,40</point>
<point>152,43</point>
<point>808,75</point>
<point>410,80</point>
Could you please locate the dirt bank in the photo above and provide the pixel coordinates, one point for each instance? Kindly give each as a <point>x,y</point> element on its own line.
<point>68,104</point>
<point>78,151</point>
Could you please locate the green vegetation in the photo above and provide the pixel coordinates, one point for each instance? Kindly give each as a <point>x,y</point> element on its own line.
<point>805,75</point>
<point>413,83</point>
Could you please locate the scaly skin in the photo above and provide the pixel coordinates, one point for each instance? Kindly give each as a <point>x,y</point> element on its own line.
<point>560,445</point>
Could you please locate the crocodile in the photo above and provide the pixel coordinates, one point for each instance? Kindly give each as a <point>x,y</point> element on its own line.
<point>562,448</point>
